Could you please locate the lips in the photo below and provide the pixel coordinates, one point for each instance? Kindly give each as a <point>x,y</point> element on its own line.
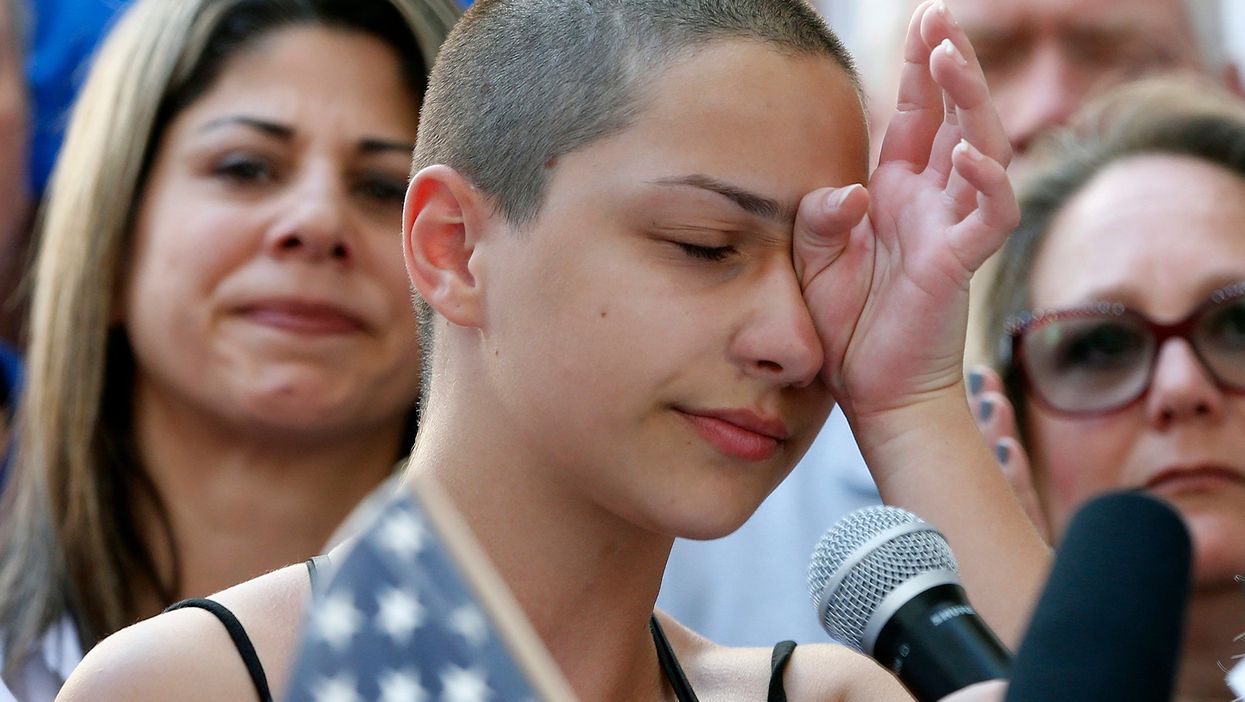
<point>1199,478</point>
<point>303,317</point>
<point>741,434</point>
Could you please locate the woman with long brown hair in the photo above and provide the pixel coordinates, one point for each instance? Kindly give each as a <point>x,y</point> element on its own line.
<point>222,358</point>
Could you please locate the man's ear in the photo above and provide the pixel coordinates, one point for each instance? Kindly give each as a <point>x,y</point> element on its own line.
<point>1233,79</point>
<point>441,219</point>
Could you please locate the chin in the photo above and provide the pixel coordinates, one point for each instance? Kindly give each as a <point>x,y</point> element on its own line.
<point>1219,547</point>
<point>716,521</point>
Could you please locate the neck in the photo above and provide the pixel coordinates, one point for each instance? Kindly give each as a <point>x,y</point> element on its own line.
<point>240,504</point>
<point>586,579</point>
<point>1215,618</point>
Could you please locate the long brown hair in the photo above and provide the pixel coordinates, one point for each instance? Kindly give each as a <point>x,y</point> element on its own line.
<point>68,539</point>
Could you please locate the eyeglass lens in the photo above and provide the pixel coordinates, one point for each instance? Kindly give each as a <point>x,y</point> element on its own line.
<point>1098,362</point>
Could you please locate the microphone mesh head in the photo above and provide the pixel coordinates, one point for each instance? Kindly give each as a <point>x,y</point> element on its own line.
<point>866,581</point>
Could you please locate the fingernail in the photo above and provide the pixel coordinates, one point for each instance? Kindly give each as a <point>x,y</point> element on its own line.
<point>838,197</point>
<point>949,49</point>
<point>968,150</point>
<point>986,411</point>
<point>975,380</point>
<point>1002,452</point>
<point>945,11</point>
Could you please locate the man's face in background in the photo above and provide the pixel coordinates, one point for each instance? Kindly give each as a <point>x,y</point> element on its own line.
<point>1043,59</point>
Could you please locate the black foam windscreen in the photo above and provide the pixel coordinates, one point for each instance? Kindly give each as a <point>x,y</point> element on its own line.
<point>1110,622</point>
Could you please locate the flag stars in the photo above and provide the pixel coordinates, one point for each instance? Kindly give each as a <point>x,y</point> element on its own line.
<point>398,614</point>
<point>469,622</point>
<point>401,686</point>
<point>339,688</point>
<point>464,685</point>
<point>337,620</point>
<point>402,535</point>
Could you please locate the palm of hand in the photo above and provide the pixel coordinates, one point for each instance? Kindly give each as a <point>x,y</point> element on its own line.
<point>889,292</point>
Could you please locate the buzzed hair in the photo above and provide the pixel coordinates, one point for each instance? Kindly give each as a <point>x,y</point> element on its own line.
<point>519,83</point>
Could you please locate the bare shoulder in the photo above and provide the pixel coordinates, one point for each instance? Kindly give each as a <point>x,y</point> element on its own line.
<point>188,655</point>
<point>815,671</point>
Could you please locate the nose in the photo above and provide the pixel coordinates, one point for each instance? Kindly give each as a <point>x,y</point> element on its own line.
<point>777,341</point>
<point>1044,93</point>
<point>1182,388</point>
<point>313,224</point>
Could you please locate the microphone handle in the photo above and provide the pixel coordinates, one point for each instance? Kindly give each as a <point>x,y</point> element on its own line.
<point>936,644</point>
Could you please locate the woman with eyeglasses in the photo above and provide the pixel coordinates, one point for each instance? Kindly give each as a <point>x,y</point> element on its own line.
<point>1122,300</point>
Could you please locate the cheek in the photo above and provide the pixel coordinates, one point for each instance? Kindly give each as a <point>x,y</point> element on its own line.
<point>1075,459</point>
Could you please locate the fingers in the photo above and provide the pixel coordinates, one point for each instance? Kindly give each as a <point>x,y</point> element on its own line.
<point>954,67</point>
<point>1014,463</point>
<point>919,110</point>
<point>949,132</point>
<point>996,419</point>
<point>997,213</point>
<point>824,225</point>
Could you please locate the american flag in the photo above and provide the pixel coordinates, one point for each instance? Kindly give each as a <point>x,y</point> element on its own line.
<point>397,622</point>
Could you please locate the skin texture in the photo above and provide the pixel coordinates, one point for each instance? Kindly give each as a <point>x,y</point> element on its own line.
<point>266,306</point>
<point>1184,439</point>
<point>600,297</point>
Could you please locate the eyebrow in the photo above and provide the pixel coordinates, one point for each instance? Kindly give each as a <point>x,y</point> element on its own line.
<point>286,133</point>
<point>748,201</point>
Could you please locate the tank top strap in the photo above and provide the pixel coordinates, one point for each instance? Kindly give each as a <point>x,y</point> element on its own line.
<point>670,664</point>
<point>237,633</point>
<point>778,663</point>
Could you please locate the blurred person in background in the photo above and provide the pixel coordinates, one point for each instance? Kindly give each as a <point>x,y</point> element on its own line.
<point>222,357</point>
<point>1120,314</point>
<point>1042,60</point>
<point>14,198</point>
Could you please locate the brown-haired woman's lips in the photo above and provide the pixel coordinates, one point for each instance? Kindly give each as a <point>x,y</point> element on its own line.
<point>303,317</point>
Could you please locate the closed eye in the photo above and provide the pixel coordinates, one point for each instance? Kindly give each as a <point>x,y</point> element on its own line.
<point>705,253</point>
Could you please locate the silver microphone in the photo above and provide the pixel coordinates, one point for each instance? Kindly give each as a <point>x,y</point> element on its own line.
<point>885,583</point>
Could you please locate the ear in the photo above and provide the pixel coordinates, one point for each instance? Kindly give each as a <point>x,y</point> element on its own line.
<point>441,219</point>
<point>1232,79</point>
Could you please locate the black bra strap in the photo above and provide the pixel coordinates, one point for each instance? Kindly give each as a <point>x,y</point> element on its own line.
<point>241,641</point>
<point>778,663</point>
<point>670,665</point>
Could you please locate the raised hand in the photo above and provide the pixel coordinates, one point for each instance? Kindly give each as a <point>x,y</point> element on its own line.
<point>889,292</point>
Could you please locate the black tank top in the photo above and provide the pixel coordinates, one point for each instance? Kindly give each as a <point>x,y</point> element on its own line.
<point>665,653</point>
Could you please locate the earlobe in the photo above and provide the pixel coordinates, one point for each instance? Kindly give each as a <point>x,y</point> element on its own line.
<point>1233,79</point>
<point>439,221</point>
